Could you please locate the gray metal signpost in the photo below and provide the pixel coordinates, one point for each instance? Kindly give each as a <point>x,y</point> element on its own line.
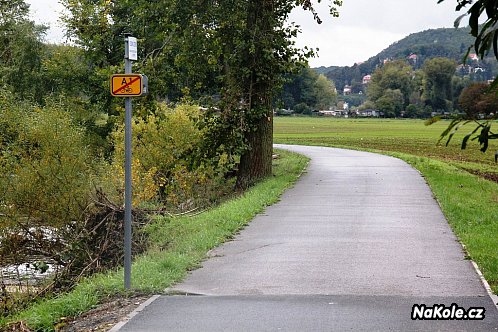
<point>128,85</point>
<point>130,55</point>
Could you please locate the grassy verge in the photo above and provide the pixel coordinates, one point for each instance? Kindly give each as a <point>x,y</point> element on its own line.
<point>469,202</point>
<point>177,246</point>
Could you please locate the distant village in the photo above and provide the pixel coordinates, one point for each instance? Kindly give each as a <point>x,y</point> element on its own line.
<point>344,110</point>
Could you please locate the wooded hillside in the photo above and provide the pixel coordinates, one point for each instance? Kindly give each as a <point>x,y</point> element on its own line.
<point>445,42</point>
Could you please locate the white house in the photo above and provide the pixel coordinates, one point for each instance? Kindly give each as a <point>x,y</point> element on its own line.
<point>347,90</point>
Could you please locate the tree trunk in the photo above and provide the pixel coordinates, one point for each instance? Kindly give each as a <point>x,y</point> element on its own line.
<point>256,161</point>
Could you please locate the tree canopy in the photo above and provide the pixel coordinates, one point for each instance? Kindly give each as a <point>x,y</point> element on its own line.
<point>308,91</point>
<point>232,54</point>
<point>438,83</point>
<point>396,75</point>
<point>477,101</point>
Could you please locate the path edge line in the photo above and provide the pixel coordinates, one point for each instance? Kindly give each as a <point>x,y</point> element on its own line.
<point>132,314</point>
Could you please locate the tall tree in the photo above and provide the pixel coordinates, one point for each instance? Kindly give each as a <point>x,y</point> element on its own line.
<point>325,92</point>
<point>477,100</point>
<point>391,103</point>
<point>308,88</point>
<point>236,49</point>
<point>21,50</point>
<point>393,75</point>
<point>438,84</point>
<point>12,12</point>
<point>396,75</point>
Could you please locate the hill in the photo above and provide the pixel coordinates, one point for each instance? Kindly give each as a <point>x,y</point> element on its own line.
<point>446,42</point>
<point>421,46</point>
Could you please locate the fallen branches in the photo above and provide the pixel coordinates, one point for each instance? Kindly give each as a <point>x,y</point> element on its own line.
<point>92,244</point>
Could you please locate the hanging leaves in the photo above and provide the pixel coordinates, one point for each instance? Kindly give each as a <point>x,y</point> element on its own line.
<point>478,105</point>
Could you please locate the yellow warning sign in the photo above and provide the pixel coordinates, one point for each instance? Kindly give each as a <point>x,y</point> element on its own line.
<point>126,85</point>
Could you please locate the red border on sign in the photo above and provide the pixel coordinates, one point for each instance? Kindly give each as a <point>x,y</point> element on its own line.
<point>115,93</point>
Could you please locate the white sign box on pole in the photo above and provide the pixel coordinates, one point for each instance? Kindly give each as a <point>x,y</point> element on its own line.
<point>132,49</point>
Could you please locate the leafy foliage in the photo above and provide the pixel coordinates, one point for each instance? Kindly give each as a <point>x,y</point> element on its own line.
<point>485,39</point>
<point>395,75</point>
<point>60,203</point>
<point>438,82</point>
<point>169,164</point>
<point>235,52</point>
<point>20,42</point>
<point>486,36</point>
<point>478,101</point>
<point>309,90</point>
<point>60,142</point>
<point>49,206</point>
<point>391,102</point>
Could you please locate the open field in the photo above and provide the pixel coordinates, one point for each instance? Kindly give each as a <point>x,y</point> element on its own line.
<point>406,136</point>
<point>469,202</point>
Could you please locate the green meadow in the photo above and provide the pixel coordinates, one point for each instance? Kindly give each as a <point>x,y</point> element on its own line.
<point>406,136</point>
<point>469,201</point>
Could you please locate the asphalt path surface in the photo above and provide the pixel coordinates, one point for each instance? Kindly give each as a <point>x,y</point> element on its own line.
<point>352,246</point>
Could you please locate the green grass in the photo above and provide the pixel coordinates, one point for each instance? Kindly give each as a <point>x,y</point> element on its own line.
<point>177,246</point>
<point>470,203</point>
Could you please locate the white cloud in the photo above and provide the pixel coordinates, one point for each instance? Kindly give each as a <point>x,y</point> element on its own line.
<point>344,45</point>
<point>47,12</point>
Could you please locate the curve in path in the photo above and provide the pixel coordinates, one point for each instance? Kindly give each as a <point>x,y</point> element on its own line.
<point>353,246</point>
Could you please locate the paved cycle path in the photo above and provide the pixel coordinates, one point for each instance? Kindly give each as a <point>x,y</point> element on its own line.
<point>352,246</point>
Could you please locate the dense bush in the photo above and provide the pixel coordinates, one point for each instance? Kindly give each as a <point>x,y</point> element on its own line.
<point>478,100</point>
<point>49,180</point>
<point>169,164</point>
<point>61,199</point>
<point>50,170</point>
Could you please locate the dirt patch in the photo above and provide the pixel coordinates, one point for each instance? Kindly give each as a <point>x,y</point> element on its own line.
<point>103,317</point>
<point>485,175</point>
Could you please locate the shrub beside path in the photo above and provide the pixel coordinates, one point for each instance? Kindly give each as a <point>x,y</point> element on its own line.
<point>353,246</point>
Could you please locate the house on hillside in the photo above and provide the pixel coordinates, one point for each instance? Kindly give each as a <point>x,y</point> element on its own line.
<point>479,69</point>
<point>347,90</point>
<point>413,58</point>
<point>473,57</point>
<point>366,79</point>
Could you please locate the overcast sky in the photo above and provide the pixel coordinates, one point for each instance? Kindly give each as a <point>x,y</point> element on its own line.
<point>364,28</point>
